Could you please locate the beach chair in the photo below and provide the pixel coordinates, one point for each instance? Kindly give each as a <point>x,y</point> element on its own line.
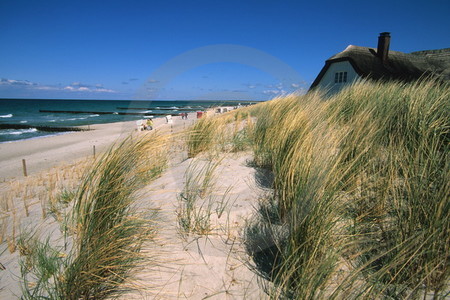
<point>140,125</point>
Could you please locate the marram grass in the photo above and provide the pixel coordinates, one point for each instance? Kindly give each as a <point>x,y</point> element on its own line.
<point>104,232</point>
<point>362,184</point>
<point>228,132</point>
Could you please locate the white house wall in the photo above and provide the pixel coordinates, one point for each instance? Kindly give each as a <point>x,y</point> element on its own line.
<point>327,81</point>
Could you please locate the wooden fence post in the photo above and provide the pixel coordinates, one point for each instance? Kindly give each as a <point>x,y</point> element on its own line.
<point>24,166</point>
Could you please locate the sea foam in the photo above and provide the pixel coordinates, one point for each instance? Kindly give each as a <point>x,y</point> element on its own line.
<point>17,132</point>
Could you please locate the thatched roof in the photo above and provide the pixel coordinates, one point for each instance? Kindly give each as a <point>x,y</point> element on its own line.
<point>399,65</point>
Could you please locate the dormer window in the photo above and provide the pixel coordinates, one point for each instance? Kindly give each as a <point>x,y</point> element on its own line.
<point>340,77</point>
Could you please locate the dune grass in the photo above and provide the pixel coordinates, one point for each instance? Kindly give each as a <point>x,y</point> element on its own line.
<point>196,205</point>
<point>229,132</point>
<point>103,233</point>
<point>362,183</point>
<point>201,205</point>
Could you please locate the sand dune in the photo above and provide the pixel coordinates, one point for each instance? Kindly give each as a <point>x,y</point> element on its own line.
<point>190,266</point>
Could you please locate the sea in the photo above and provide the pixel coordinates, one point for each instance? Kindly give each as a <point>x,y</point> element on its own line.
<point>34,118</point>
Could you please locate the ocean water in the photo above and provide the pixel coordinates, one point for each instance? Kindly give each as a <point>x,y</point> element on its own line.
<point>30,118</point>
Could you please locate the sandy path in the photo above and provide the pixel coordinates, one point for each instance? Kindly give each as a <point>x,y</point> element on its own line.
<point>199,266</point>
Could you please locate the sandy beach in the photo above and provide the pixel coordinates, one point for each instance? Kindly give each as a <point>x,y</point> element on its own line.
<point>46,152</point>
<point>214,265</point>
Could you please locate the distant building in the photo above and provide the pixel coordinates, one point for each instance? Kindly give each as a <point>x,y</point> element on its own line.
<point>381,64</point>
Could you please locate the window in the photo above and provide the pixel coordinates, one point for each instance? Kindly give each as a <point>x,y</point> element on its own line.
<point>340,77</point>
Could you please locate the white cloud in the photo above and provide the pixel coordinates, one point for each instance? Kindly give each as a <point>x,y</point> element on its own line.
<point>47,88</point>
<point>78,87</point>
<point>105,90</point>
<point>277,92</point>
<point>5,81</point>
<point>300,85</point>
<point>152,81</point>
<point>74,87</point>
<point>278,86</point>
<point>268,92</point>
<point>252,85</point>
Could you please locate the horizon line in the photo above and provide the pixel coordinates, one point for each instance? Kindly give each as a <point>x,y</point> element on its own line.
<point>140,100</point>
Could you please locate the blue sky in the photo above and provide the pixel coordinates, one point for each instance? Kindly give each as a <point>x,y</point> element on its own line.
<point>244,49</point>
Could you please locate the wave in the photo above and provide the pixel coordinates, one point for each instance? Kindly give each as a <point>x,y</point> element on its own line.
<point>96,115</point>
<point>23,122</point>
<point>74,119</point>
<point>6,116</point>
<point>17,132</point>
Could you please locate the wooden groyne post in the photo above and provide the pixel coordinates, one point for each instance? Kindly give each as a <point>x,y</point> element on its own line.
<point>24,167</point>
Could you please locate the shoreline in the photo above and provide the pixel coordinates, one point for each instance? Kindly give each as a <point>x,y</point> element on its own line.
<point>37,137</point>
<point>41,153</point>
<point>57,130</point>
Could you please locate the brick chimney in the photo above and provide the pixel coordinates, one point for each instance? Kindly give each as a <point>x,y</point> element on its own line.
<point>383,46</point>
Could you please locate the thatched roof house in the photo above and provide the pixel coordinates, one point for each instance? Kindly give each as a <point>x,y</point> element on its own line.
<point>381,64</point>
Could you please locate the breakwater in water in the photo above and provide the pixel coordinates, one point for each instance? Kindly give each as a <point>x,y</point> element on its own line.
<point>40,128</point>
<point>105,112</point>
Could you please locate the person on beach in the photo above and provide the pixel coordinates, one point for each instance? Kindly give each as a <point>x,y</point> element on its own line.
<point>149,124</point>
